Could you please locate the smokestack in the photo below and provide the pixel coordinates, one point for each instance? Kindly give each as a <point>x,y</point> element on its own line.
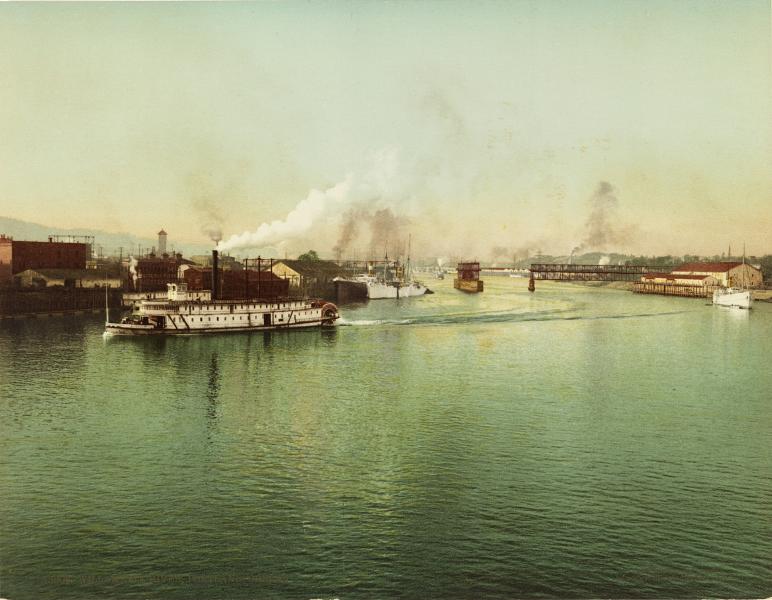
<point>215,278</point>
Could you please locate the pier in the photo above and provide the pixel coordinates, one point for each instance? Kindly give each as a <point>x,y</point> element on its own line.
<point>671,289</point>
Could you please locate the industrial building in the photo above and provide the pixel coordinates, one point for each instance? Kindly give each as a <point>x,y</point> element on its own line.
<point>699,279</point>
<point>247,283</point>
<point>152,273</point>
<point>17,256</point>
<point>309,276</point>
<point>727,274</point>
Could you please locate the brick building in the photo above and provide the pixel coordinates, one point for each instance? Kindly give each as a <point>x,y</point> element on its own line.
<point>237,284</point>
<point>17,256</point>
<point>152,273</point>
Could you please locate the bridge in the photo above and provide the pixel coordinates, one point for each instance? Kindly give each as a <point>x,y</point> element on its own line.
<point>572,272</point>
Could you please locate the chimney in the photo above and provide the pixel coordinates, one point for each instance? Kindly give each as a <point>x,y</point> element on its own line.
<point>215,273</point>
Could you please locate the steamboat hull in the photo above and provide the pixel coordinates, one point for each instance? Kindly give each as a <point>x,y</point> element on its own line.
<point>120,329</point>
<point>471,286</point>
<point>377,290</point>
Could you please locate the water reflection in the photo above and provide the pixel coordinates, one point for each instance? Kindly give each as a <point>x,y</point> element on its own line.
<point>214,384</point>
<point>213,387</point>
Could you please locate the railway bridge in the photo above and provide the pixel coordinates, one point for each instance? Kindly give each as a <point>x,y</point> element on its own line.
<point>574,272</point>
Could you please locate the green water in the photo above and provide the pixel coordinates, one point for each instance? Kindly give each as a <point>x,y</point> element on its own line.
<point>577,442</point>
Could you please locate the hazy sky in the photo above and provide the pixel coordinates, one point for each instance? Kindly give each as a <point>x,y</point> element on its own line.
<point>481,123</point>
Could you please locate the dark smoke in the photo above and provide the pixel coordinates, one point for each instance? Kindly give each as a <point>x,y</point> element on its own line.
<point>349,229</point>
<point>602,226</point>
<point>204,192</point>
<point>387,232</point>
<point>500,251</point>
<point>603,206</point>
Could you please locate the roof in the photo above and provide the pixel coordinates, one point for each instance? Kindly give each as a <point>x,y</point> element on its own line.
<point>673,276</point>
<point>707,267</point>
<point>311,267</point>
<point>162,232</point>
<point>87,274</point>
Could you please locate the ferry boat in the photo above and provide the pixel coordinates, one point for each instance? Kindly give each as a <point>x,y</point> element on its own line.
<point>183,312</point>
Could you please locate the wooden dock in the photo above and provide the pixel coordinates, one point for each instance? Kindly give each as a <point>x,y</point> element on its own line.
<point>672,289</point>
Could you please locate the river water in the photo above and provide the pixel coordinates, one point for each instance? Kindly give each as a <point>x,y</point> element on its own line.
<point>575,442</point>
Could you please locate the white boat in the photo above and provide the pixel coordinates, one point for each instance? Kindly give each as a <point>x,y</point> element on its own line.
<point>184,312</point>
<point>734,297</point>
<point>390,280</point>
<point>737,297</point>
<point>378,288</point>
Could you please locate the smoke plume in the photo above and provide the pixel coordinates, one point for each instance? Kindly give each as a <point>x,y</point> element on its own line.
<point>297,223</point>
<point>349,228</point>
<point>387,232</point>
<point>602,227</point>
<point>603,207</point>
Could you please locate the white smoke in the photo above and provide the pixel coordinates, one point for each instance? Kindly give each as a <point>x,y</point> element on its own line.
<point>604,260</point>
<point>133,270</point>
<point>298,222</point>
<point>380,184</point>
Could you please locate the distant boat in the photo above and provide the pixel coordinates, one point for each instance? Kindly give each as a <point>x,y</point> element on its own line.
<point>392,280</point>
<point>734,297</point>
<point>378,287</point>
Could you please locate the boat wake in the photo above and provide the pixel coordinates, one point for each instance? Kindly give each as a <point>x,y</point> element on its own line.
<point>564,314</point>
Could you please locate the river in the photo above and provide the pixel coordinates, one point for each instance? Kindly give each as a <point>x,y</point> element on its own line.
<point>575,442</point>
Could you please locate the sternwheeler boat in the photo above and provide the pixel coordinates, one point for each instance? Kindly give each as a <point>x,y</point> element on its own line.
<point>181,314</point>
<point>201,311</point>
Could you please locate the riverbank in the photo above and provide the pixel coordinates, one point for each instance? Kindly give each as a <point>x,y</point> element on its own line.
<point>758,295</point>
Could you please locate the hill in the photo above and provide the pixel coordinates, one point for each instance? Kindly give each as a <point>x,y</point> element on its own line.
<point>110,243</point>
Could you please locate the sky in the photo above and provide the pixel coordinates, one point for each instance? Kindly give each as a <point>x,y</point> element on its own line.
<point>477,127</point>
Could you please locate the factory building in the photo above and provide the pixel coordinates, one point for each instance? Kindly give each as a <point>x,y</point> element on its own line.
<point>17,256</point>
<point>152,273</point>
<point>247,283</point>
<point>699,279</point>
<point>727,274</point>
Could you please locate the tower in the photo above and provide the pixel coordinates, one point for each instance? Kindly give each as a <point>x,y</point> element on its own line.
<point>162,242</point>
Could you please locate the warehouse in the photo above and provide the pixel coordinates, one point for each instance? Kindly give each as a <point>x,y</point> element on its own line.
<point>727,274</point>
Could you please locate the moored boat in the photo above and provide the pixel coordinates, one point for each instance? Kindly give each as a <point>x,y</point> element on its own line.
<point>736,297</point>
<point>733,297</point>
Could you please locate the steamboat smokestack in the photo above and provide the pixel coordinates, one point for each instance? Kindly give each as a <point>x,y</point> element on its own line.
<point>215,278</point>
